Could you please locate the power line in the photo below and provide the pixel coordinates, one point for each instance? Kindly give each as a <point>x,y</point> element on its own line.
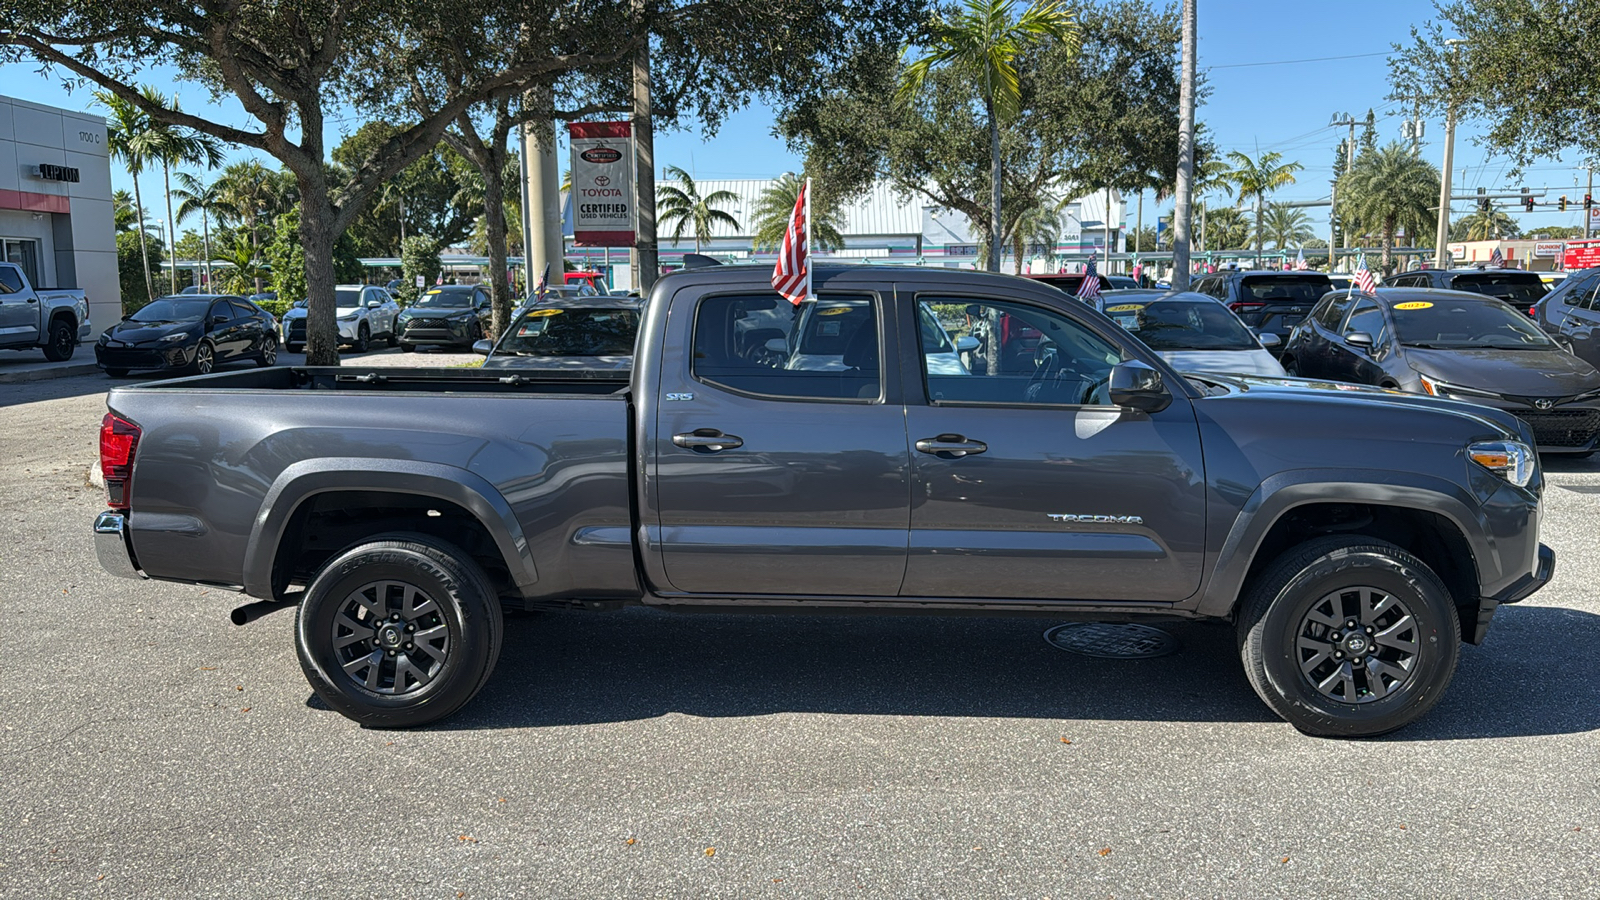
<point>1293,62</point>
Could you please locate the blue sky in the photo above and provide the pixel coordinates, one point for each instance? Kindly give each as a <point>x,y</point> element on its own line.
<point>1284,107</point>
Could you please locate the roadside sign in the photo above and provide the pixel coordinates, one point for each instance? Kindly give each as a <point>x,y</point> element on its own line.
<point>602,184</point>
<point>421,282</point>
<point>1547,249</point>
<point>1581,255</point>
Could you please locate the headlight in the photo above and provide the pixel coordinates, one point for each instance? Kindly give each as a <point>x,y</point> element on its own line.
<point>182,335</point>
<point>104,339</point>
<point>350,318</point>
<point>1433,387</point>
<point>1512,460</point>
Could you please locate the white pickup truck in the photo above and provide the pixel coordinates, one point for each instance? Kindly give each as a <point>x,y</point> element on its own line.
<point>56,320</point>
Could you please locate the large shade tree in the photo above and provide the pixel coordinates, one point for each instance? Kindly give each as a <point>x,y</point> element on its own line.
<point>981,42</point>
<point>1389,190</point>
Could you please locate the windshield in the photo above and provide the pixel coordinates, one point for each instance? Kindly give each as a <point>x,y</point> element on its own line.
<point>1306,289</point>
<point>347,297</point>
<point>171,309</point>
<point>1465,323</point>
<point>437,298</point>
<point>573,332</point>
<point>1521,289</point>
<point>1183,325</point>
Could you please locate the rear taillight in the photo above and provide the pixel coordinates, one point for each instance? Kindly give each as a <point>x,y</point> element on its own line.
<point>119,439</point>
<point>1533,312</point>
<point>1244,306</point>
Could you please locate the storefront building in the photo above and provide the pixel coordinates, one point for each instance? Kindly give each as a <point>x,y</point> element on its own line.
<point>56,218</point>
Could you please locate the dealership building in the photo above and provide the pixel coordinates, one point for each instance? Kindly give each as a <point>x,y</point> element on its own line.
<point>56,218</point>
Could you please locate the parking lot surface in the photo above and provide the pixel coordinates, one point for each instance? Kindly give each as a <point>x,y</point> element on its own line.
<point>153,749</point>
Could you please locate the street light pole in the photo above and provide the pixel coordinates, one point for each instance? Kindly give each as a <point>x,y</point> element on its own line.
<point>1441,253</point>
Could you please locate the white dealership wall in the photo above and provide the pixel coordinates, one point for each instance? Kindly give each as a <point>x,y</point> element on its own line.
<point>72,222</point>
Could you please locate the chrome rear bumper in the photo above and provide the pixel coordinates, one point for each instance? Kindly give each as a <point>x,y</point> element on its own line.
<point>111,545</point>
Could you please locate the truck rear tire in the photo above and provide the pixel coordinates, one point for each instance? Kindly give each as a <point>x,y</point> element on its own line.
<point>1349,637</point>
<point>399,631</point>
<point>60,341</point>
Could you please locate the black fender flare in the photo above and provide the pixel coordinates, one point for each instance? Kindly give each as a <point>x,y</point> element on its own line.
<point>304,480</point>
<point>1283,492</point>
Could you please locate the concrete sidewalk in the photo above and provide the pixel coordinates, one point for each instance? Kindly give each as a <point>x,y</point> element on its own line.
<point>30,365</point>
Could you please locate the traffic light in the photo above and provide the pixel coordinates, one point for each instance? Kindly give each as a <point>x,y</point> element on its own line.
<point>1588,202</point>
<point>1527,203</point>
<point>1562,203</point>
<point>1483,203</point>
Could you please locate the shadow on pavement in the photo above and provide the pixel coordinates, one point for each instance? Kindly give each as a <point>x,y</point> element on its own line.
<point>576,668</point>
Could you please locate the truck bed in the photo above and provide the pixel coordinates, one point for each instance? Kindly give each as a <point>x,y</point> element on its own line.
<point>387,378</point>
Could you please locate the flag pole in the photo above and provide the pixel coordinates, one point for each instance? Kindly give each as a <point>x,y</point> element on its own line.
<point>810,250</point>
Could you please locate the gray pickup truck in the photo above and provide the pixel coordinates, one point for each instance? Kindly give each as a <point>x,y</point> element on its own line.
<point>55,320</point>
<point>911,441</point>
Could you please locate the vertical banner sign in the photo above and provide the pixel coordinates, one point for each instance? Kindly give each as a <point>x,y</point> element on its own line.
<point>602,184</point>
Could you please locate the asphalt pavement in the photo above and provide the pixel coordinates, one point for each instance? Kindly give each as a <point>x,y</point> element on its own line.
<point>153,749</point>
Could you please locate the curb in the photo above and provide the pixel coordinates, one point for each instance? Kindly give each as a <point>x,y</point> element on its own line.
<point>46,373</point>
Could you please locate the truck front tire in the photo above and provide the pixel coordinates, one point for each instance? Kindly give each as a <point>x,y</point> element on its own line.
<point>399,631</point>
<point>1349,637</point>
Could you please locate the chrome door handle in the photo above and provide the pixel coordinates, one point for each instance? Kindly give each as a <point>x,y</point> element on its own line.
<point>950,446</point>
<point>708,440</point>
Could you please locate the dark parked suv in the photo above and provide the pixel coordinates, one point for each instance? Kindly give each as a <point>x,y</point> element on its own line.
<point>1520,288</point>
<point>1268,302</point>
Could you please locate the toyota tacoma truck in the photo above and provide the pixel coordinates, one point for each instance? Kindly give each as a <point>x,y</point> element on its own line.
<point>55,320</point>
<point>906,441</point>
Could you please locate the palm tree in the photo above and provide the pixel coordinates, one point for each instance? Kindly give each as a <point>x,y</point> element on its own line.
<point>251,192</point>
<point>1257,178</point>
<point>245,267</point>
<point>776,205</point>
<point>205,199</point>
<point>1227,228</point>
<point>1485,225</point>
<point>982,44</point>
<point>1388,190</point>
<point>124,216</point>
<point>681,208</point>
<point>175,146</point>
<point>128,137</point>
<point>1287,226</point>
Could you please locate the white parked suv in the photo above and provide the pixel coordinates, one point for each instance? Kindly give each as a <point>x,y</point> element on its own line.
<point>366,313</point>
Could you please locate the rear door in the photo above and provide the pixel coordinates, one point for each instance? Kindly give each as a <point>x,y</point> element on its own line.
<point>779,464</point>
<point>1354,363</point>
<point>1581,322</point>
<point>225,330</point>
<point>1027,483</point>
<point>19,309</point>
<point>252,326</point>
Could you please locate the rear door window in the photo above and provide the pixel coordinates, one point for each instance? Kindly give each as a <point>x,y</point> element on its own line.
<point>10,280</point>
<point>827,349</point>
<point>1520,289</point>
<point>1276,288</point>
<point>1368,317</point>
<point>1332,314</point>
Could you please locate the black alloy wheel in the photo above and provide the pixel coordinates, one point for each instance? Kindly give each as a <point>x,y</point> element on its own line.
<point>399,631</point>
<point>269,352</point>
<point>205,358</point>
<point>60,342</point>
<point>362,337</point>
<point>1349,636</point>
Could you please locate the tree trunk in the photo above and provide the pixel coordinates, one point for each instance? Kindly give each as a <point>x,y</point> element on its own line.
<point>255,254</point>
<point>1017,248</point>
<point>1259,223</point>
<point>205,230</point>
<point>994,185</point>
<point>316,239</point>
<point>1184,187</point>
<point>494,221</point>
<point>144,246</point>
<point>172,229</point>
<point>1388,247</point>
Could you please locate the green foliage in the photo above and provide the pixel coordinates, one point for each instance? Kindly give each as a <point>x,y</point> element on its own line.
<point>419,255</point>
<point>981,43</point>
<point>1491,224</point>
<point>130,268</point>
<point>1286,227</point>
<point>776,206</point>
<point>1225,228</point>
<point>1256,178</point>
<point>238,267</point>
<point>276,307</point>
<point>286,255</point>
<point>1554,233</point>
<point>680,208</point>
<point>1387,191</point>
<point>441,194</point>
<point>1525,69</point>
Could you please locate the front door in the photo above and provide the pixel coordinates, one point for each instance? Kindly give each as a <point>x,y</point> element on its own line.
<point>1354,363</point>
<point>780,464</point>
<point>19,310</point>
<point>1027,483</point>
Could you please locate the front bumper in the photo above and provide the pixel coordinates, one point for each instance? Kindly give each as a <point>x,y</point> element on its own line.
<point>437,332</point>
<point>294,330</point>
<point>1567,428</point>
<point>143,357</point>
<point>111,545</point>
<point>1544,568</point>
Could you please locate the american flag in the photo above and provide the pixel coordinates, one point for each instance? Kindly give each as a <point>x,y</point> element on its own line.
<point>1300,264</point>
<point>1496,259</point>
<point>1363,280</point>
<point>1089,291</point>
<point>791,277</point>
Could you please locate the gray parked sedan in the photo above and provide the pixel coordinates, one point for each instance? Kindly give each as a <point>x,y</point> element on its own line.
<point>581,334</point>
<point>1458,345</point>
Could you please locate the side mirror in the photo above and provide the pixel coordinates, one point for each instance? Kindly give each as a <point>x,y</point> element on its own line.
<point>778,345</point>
<point>1134,384</point>
<point>966,344</point>
<point>1563,342</point>
<point>482,347</point>
<point>1268,339</point>
<point>1359,339</point>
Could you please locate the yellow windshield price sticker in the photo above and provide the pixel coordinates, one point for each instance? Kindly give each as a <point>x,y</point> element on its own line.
<point>540,313</point>
<point>435,291</point>
<point>1125,307</point>
<point>1414,304</point>
<point>833,311</point>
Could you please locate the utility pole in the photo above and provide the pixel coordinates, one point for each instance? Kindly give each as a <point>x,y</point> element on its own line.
<point>1341,120</point>
<point>645,264</point>
<point>1441,236</point>
<point>1588,193</point>
<point>1110,247</point>
<point>1184,189</point>
<point>1138,225</point>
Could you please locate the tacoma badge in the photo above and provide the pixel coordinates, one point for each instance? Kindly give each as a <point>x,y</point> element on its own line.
<point>1096,520</point>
